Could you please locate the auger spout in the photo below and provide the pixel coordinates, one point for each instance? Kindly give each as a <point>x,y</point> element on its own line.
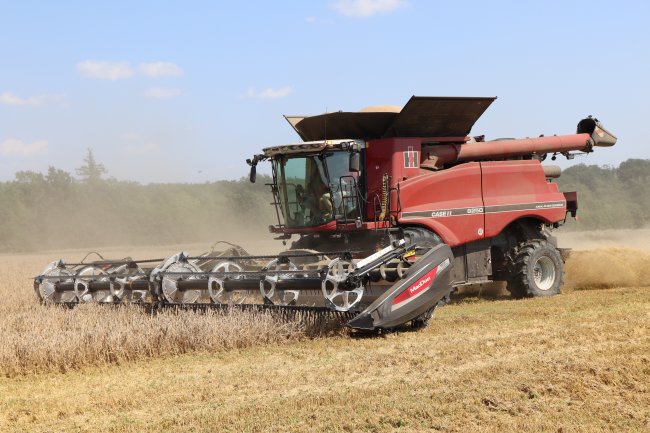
<point>590,134</point>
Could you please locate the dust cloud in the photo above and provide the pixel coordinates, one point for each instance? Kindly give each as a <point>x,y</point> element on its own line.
<point>638,239</point>
<point>607,258</point>
<point>607,267</point>
<point>43,215</point>
<point>599,260</point>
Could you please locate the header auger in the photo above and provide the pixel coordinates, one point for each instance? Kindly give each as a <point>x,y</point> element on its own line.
<point>391,210</point>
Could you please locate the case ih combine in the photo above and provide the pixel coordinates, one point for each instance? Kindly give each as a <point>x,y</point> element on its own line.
<point>390,211</point>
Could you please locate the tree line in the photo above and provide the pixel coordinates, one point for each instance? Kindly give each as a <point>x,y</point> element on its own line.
<point>55,209</point>
<point>609,197</point>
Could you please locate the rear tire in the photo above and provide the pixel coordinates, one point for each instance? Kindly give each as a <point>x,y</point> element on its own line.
<point>536,270</point>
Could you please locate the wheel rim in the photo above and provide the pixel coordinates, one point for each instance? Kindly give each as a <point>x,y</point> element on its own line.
<point>335,298</point>
<point>82,285</point>
<point>47,288</point>
<point>544,273</point>
<point>215,283</point>
<point>170,283</point>
<point>119,288</point>
<point>279,297</point>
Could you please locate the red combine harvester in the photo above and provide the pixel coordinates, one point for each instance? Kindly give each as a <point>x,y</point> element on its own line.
<point>393,210</point>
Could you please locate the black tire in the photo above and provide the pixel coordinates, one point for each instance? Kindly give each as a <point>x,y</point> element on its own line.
<point>535,270</point>
<point>423,319</point>
<point>425,240</point>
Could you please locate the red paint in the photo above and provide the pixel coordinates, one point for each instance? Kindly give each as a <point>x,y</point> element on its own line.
<point>386,156</point>
<point>332,227</point>
<point>456,187</point>
<point>475,186</point>
<point>508,148</point>
<point>511,182</point>
<point>478,185</point>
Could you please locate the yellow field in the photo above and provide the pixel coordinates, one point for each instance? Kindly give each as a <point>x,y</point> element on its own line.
<point>575,362</point>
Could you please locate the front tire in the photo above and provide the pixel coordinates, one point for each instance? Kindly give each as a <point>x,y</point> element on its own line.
<point>425,240</point>
<point>423,319</point>
<point>536,270</point>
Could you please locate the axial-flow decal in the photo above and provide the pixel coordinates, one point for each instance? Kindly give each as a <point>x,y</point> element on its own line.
<point>466,211</point>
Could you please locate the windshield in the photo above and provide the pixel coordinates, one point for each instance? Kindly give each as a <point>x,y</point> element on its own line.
<point>316,189</point>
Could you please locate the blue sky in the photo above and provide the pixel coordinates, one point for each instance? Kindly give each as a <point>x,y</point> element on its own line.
<point>185,91</point>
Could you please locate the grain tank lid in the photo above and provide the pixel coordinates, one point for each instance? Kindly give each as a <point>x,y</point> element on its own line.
<point>341,125</point>
<point>422,116</point>
<point>436,116</point>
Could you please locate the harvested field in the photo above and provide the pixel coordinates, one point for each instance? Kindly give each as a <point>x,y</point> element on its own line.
<point>575,362</point>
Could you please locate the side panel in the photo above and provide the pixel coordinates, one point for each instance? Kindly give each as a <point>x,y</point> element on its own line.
<point>398,158</point>
<point>517,189</point>
<point>448,202</point>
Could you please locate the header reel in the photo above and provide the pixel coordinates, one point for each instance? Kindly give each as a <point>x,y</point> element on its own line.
<point>304,279</point>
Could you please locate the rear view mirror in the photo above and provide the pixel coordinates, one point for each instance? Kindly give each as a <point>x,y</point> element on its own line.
<point>253,174</point>
<point>354,162</point>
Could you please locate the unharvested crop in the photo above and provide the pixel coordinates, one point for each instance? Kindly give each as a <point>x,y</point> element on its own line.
<point>39,338</point>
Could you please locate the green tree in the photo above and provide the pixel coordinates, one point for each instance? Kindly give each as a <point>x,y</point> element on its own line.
<point>58,178</point>
<point>29,177</point>
<point>91,171</point>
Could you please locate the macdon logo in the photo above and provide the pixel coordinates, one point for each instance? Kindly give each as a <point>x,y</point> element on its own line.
<point>419,285</point>
<point>416,289</point>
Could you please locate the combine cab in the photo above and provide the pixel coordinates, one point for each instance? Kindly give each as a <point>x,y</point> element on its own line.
<point>388,212</point>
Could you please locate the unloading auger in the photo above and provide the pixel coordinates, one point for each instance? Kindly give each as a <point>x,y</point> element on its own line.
<point>312,281</point>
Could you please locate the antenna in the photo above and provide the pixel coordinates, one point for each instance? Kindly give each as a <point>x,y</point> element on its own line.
<point>326,123</point>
